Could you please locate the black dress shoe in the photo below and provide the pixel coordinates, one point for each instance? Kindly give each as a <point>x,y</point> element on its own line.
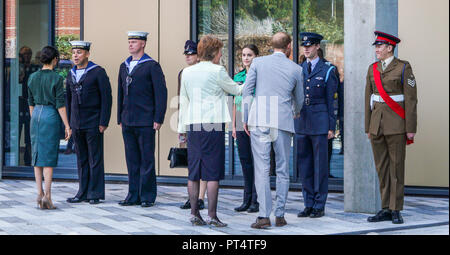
<point>127,203</point>
<point>147,204</point>
<point>243,207</point>
<point>383,215</point>
<point>201,204</point>
<point>254,208</point>
<point>94,201</point>
<point>397,217</point>
<point>306,212</point>
<point>74,200</point>
<point>186,205</point>
<point>317,213</point>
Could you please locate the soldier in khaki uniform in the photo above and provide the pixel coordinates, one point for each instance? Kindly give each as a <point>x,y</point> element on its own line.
<point>390,122</point>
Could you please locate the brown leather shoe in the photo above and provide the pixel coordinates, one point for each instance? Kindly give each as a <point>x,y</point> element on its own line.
<point>261,223</point>
<point>280,221</point>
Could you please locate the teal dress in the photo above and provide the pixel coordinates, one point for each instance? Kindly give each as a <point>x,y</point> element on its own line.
<point>46,94</point>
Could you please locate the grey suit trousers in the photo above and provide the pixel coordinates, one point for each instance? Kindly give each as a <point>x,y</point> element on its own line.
<point>261,139</point>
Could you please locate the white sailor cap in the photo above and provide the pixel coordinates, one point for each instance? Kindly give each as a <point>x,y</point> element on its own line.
<point>137,35</point>
<point>81,45</point>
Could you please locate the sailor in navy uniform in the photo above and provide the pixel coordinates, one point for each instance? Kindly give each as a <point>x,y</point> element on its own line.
<point>89,102</point>
<point>317,124</point>
<point>142,102</point>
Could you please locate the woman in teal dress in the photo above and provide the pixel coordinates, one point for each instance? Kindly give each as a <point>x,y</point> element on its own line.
<point>250,203</point>
<point>47,108</point>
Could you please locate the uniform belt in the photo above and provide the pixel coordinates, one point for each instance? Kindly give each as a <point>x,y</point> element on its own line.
<point>311,101</point>
<point>379,99</point>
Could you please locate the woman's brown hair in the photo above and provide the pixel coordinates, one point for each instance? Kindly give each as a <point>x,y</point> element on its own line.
<point>208,47</point>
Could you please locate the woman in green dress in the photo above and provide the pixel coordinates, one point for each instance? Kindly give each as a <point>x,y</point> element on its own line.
<point>47,108</point>
<point>250,203</point>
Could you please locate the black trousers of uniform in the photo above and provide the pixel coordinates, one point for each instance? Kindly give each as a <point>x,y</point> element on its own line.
<point>312,156</point>
<point>140,157</point>
<point>248,170</point>
<point>91,170</point>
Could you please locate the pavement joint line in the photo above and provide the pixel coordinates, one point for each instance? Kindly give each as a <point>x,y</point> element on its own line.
<point>364,232</point>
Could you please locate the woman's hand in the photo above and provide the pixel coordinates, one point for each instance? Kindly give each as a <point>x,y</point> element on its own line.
<point>182,139</point>
<point>68,133</point>
<point>234,133</point>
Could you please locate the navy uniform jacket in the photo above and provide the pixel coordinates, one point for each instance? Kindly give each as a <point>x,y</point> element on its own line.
<point>146,101</point>
<point>318,114</point>
<point>95,94</point>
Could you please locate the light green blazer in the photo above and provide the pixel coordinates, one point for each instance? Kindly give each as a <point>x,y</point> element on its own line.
<point>203,95</point>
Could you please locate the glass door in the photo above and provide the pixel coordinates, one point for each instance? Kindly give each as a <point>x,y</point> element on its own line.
<point>26,33</point>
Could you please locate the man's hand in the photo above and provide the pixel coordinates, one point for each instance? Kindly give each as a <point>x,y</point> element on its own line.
<point>330,134</point>
<point>368,135</point>
<point>102,129</point>
<point>296,116</point>
<point>156,126</point>
<point>410,136</point>
<point>246,129</point>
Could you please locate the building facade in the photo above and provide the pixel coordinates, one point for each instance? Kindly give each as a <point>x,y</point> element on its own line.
<point>36,23</point>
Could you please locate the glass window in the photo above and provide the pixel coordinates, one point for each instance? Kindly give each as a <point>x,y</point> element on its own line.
<point>326,17</point>
<point>213,20</point>
<point>67,28</point>
<point>255,23</point>
<point>27,31</point>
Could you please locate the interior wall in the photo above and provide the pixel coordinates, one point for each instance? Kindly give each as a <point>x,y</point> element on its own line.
<point>106,23</point>
<point>175,29</point>
<point>423,29</point>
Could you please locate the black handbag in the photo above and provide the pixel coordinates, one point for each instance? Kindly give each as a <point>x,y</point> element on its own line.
<point>178,158</point>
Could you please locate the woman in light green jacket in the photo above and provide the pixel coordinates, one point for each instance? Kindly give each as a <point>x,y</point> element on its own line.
<point>202,116</point>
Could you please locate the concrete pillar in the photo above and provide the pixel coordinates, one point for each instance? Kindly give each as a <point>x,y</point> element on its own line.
<point>361,19</point>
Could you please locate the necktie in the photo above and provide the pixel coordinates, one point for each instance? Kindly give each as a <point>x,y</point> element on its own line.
<point>383,65</point>
<point>309,67</point>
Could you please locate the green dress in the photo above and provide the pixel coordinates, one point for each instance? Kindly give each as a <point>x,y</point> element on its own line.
<point>46,94</point>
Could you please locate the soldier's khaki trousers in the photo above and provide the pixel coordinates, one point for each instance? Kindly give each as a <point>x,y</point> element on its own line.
<point>389,154</point>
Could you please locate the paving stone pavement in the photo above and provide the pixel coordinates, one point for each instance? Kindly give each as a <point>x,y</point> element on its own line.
<point>19,215</point>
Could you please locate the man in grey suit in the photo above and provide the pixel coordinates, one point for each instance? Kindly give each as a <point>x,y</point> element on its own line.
<point>273,96</point>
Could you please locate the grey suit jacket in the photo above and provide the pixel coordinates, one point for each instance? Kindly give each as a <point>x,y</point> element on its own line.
<point>273,92</point>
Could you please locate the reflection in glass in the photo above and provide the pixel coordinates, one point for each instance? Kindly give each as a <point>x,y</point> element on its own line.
<point>326,17</point>
<point>213,20</point>
<point>255,23</point>
<point>67,28</point>
<point>26,33</point>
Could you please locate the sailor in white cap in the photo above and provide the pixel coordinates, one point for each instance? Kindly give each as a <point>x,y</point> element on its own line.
<point>142,102</point>
<point>89,101</point>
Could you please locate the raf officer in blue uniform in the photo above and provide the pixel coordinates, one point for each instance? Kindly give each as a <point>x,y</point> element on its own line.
<point>89,101</point>
<point>142,102</point>
<point>317,124</point>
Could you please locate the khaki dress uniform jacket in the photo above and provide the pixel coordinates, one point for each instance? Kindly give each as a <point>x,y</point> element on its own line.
<point>388,130</point>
